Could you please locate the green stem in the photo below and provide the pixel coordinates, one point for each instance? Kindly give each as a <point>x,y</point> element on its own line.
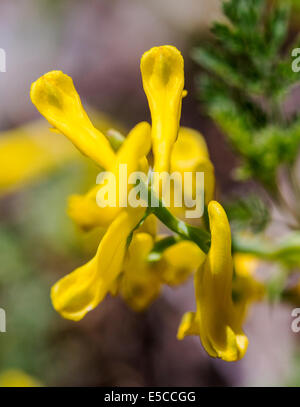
<point>183,229</point>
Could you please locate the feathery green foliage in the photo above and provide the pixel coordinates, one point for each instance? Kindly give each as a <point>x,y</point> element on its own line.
<point>247,78</point>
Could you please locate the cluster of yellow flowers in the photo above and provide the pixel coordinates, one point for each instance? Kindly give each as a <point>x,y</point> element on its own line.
<point>124,262</point>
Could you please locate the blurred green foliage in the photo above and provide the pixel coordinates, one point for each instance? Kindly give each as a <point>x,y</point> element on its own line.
<point>247,79</point>
<point>38,244</point>
<point>249,214</point>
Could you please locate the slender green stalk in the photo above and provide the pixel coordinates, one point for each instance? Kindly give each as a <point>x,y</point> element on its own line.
<point>181,228</point>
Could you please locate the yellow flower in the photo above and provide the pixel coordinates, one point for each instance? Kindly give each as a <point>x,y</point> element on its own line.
<point>84,209</point>
<point>17,378</point>
<point>181,150</point>
<point>82,290</point>
<point>163,81</point>
<point>180,261</point>
<point>55,97</point>
<point>215,320</point>
<point>190,154</point>
<point>121,263</point>
<point>140,282</point>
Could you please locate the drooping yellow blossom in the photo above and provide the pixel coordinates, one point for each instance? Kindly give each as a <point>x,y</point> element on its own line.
<point>180,261</point>
<point>163,81</point>
<point>190,154</point>
<point>56,98</point>
<point>140,282</point>
<point>82,290</point>
<point>120,265</point>
<point>17,378</point>
<point>215,320</point>
<point>189,157</point>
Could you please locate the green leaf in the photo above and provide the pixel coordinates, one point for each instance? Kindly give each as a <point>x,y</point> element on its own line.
<point>246,81</point>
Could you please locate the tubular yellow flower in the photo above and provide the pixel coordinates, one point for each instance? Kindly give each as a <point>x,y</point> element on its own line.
<point>215,320</point>
<point>163,81</point>
<point>140,282</point>
<point>149,228</point>
<point>190,154</point>
<point>122,265</point>
<point>189,157</point>
<point>83,209</point>
<point>55,97</point>
<point>82,290</point>
<point>180,261</point>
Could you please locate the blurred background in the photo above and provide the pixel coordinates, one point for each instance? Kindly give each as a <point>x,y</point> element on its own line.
<point>99,44</point>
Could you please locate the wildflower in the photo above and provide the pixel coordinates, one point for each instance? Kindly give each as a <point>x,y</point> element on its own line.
<point>141,280</point>
<point>122,264</point>
<point>215,320</point>
<point>82,290</point>
<point>140,283</point>
<point>110,270</point>
<point>84,209</point>
<point>190,155</point>
<point>55,97</point>
<point>163,81</point>
<point>180,261</point>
